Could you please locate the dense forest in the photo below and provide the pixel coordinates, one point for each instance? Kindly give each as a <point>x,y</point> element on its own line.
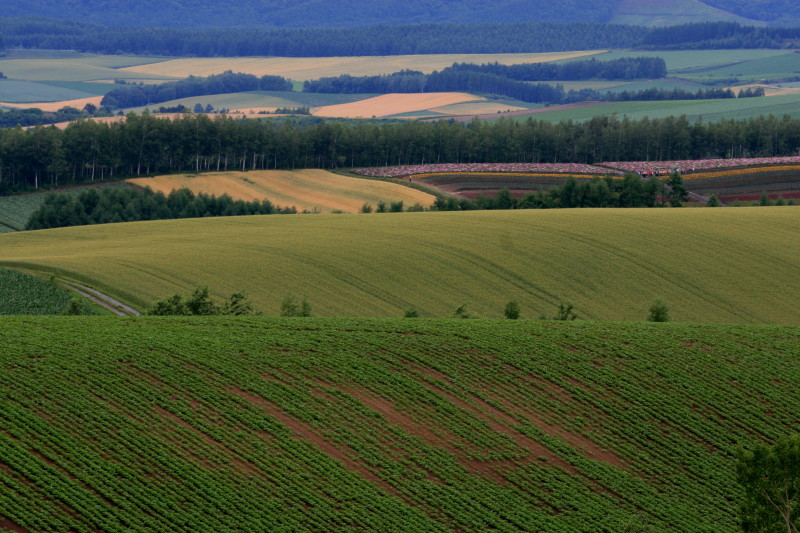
<point>381,40</point>
<point>130,204</point>
<point>356,13</point>
<point>133,95</point>
<point>88,151</point>
<point>308,13</point>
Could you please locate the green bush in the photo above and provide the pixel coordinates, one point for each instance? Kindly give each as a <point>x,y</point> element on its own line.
<point>512,310</point>
<point>659,312</point>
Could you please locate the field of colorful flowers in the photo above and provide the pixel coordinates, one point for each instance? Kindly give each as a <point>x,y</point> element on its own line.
<point>689,166</point>
<point>450,168</point>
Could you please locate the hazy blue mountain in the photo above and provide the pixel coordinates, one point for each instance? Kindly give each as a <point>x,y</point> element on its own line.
<point>352,13</point>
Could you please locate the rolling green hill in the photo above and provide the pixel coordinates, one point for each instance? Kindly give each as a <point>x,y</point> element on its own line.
<point>263,424</point>
<point>709,265</point>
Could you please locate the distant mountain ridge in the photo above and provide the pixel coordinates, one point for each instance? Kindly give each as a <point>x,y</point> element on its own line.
<point>354,13</point>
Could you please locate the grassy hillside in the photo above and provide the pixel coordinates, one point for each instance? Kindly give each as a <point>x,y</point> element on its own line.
<point>708,265</point>
<point>707,110</point>
<point>385,425</point>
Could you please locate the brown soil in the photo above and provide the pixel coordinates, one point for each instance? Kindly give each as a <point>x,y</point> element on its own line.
<point>7,524</point>
<point>306,432</point>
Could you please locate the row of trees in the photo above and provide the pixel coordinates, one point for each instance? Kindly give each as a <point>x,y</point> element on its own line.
<point>134,95</point>
<point>129,204</point>
<point>624,68</point>
<point>88,151</point>
<point>456,78</point>
<point>438,81</point>
<point>631,191</point>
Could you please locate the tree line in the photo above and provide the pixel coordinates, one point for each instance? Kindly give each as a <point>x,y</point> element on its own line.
<point>129,204</point>
<point>631,191</point>
<point>458,78</point>
<point>135,95</point>
<point>88,151</point>
<point>624,68</point>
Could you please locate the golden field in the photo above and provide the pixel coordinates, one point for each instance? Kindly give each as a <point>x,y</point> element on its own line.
<point>309,68</point>
<point>311,190</point>
<point>393,104</point>
<point>737,265</point>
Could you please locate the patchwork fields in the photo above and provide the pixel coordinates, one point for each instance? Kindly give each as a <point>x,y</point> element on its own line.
<point>386,425</point>
<point>708,265</point>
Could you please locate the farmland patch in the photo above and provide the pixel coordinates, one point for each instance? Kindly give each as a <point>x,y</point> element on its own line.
<point>308,68</point>
<point>609,263</point>
<point>310,190</point>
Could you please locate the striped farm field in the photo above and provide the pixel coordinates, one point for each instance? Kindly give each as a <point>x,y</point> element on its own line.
<point>164,424</point>
<point>708,265</point>
<point>308,68</point>
<point>310,190</point>
<point>393,104</point>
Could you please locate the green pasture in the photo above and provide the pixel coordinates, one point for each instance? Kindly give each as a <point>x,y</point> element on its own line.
<point>21,92</point>
<point>769,68</point>
<point>709,265</point>
<point>707,110</point>
<point>680,62</point>
<point>86,67</point>
<point>396,425</point>
<point>666,84</point>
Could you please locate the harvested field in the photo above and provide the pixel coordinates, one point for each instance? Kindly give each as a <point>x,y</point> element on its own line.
<point>310,190</point>
<point>55,106</point>
<point>393,104</point>
<point>308,68</point>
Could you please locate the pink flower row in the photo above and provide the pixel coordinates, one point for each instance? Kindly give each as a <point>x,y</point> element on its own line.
<point>407,170</point>
<point>698,164</point>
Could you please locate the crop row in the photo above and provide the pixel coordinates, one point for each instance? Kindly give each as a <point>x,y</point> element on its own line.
<point>24,294</point>
<point>392,425</point>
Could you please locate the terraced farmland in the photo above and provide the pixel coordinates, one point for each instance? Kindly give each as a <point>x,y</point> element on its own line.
<point>708,265</point>
<point>310,190</point>
<point>386,425</point>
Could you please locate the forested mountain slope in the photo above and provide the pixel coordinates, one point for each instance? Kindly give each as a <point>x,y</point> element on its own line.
<point>350,13</point>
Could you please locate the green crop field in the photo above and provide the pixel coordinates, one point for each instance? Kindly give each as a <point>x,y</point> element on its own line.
<point>708,265</point>
<point>24,294</point>
<point>16,210</point>
<point>707,110</point>
<point>265,424</point>
<point>21,92</point>
<point>684,61</point>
